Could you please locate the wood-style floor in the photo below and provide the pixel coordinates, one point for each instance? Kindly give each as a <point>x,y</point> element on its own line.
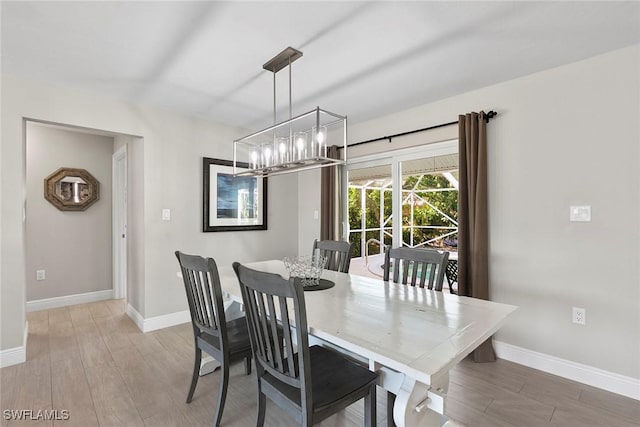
<point>91,360</point>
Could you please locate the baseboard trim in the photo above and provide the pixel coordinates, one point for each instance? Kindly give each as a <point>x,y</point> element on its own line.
<point>158,322</point>
<point>16,355</point>
<point>136,317</point>
<point>45,304</point>
<point>596,377</point>
<point>166,320</point>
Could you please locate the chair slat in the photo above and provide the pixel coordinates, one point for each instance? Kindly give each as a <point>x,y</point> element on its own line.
<point>432,275</point>
<point>252,305</point>
<point>273,322</point>
<point>286,327</point>
<point>405,271</point>
<point>414,273</point>
<point>264,324</point>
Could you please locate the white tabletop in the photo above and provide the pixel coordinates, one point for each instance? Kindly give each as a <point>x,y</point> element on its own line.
<point>419,332</point>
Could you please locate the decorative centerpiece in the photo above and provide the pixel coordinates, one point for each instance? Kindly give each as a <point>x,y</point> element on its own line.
<point>307,268</point>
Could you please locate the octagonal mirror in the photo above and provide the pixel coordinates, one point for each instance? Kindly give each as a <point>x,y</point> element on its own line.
<point>71,189</point>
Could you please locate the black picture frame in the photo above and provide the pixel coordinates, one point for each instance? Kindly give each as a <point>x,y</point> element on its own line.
<point>220,207</point>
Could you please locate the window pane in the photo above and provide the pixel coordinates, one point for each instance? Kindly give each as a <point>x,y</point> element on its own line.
<point>430,202</point>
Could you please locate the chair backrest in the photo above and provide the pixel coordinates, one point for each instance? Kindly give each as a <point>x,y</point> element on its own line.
<point>204,295</point>
<point>264,296</point>
<point>338,254</point>
<point>418,266</point>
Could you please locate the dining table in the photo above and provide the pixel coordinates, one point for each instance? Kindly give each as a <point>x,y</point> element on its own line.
<point>411,336</point>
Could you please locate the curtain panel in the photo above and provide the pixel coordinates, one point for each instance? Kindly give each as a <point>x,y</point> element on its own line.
<point>329,198</point>
<point>473,221</point>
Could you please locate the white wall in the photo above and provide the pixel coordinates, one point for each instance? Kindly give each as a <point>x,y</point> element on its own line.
<point>566,136</point>
<point>74,248</point>
<point>172,178</point>
<point>309,203</point>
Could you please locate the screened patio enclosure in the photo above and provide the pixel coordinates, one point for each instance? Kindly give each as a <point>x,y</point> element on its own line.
<point>426,199</point>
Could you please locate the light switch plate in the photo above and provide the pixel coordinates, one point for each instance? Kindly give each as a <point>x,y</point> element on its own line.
<point>40,275</point>
<point>315,215</point>
<point>580,213</point>
<point>166,214</point>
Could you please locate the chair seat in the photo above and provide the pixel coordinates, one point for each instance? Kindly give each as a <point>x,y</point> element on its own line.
<point>237,333</point>
<point>332,378</point>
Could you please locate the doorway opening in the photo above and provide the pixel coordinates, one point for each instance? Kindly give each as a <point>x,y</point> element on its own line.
<point>80,256</point>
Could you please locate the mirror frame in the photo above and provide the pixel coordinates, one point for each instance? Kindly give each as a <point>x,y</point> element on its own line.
<point>68,205</point>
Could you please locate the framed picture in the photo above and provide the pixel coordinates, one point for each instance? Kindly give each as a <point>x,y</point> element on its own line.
<point>232,203</point>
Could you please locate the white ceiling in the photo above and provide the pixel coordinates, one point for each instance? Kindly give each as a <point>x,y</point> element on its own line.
<point>362,59</point>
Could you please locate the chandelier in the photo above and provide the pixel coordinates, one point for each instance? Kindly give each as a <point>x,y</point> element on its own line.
<point>293,145</point>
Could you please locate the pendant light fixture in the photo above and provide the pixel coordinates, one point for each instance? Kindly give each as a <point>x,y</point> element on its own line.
<point>296,144</point>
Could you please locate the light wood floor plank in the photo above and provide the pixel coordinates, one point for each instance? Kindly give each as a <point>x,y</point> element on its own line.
<point>580,414</point>
<point>62,342</point>
<point>94,352</point>
<point>71,391</point>
<point>7,390</point>
<point>38,339</point>
<point>33,390</point>
<point>468,415</point>
<point>500,372</point>
<point>59,315</point>
<point>80,314</point>
<point>40,315</point>
<point>117,306</point>
<point>111,399</point>
<point>521,410</point>
<point>611,402</point>
<point>99,309</point>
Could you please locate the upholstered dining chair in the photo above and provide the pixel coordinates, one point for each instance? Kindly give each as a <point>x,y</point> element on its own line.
<point>416,267</point>
<point>338,253</point>
<point>310,383</point>
<point>226,341</point>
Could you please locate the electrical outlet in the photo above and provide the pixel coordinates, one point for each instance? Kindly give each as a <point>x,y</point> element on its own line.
<point>579,316</point>
<point>40,275</point>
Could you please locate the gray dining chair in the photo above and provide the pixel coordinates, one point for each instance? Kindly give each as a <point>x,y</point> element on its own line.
<point>413,266</point>
<point>312,383</point>
<point>226,341</point>
<point>416,267</point>
<point>338,253</point>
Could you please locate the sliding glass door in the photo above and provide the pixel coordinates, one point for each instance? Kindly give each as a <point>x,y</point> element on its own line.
<point>418,187</point>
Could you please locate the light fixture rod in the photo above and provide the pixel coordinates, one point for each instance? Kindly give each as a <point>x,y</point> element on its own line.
<point>290,111</point>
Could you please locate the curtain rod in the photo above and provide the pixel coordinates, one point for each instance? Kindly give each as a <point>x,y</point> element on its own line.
<point>487,116</point>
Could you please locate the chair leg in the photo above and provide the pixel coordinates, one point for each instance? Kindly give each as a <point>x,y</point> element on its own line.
<point>196,374</point>
<point>222,391</point>
<point>370,407</point>
<point>247,365</point>
<point>391,400</point>
<point>262,406</point>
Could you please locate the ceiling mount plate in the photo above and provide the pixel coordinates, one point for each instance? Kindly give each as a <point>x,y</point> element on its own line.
<point>283,59</point>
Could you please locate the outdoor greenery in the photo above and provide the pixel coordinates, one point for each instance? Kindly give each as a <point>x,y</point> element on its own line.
<point>423,214</point>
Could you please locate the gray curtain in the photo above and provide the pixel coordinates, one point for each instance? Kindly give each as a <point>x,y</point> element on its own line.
<point>329,193</point>
<point>473,221</point>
